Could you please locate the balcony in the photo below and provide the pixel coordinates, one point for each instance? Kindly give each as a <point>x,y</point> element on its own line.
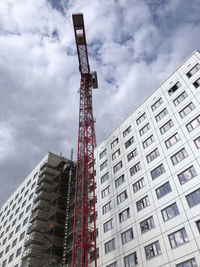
<point>34,238</point>
<point>45,178</point>
<point>39,215</point>
<point>38,226</point>
<point>33,251</point>
<point>44,186</point>
<point>48,171</point>
<point>41,204</point>
<point>45,196</point>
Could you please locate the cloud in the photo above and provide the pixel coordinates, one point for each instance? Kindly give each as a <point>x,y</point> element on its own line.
<point>133,45</point>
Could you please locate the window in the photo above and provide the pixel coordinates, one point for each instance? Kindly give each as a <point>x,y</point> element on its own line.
<point>109,246</point>
<point>153,155</point>
<point>161,115</point>
<point>157,104</point>
<point>152,250</point>
<point>186,110</point>
<point>117,167</point>
<point>172,140</point>
<point>26,193</point>
<point>22,236</point>
<point>148,141</point>
<point>32,186</point>
<point>127,236</point>
<point>147,225</point>
<point>174,88</point>
<point>193,70</point>
<point>198,225</point>
<point>14,222</point>
<point>141,118</point>
<point>166,126</point>
<point>1,254</point>
<point>19,252</point>
<point>23,204</point>
<point>124,215</point>
<point>114,264</point>
<point>193,124</point>
<point>105,192</point>
<point>130,260</point>
<point>188,263</point>
<point>180,98</point>
<point>179,156</point>
<point>121,197</point>
<point>28,208</point>
<point>178,238</point>
<point>8,228</point>
<point>157,171</point>
<point>107,207</point>
<point>116,154</point>
<point>135,168</point>
<point>169,212</point>
<point>197,83</point>
<point>119,181</point>
<point>194,198</point>
<point>4,263</point>
<point>197,142</point>
<point>7,248</point>
<point>138,185</point>
<point>103,165</point>
<point>108,225</point>
<point>10,235</point>
<point>114,143</point>
<point>104,178</point>
<point>30,196</point>
<point>132,154</point>
<point>127,131</point>
<point>11,257</point>
<point>17,229</point>
<point>14,243</point>
<point>14,206</point>
<point>163,190</point>
<point>187,175</point>
<point>144,129</point>
<point>142,203</point>
<point>20,200</point>
<point>25,221</point>
<point>129,142</point>
<point>102,154</point>
<point>1,235</point>
<point>16,196</point>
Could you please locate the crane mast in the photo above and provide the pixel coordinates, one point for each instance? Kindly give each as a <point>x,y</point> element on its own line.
<point>84,233</point>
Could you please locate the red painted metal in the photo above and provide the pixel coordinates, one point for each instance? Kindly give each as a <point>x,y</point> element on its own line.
<point>84,234</point>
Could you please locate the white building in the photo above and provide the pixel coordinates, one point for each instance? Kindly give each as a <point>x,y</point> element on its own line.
<point>148,179</point>
<point>30,230</point>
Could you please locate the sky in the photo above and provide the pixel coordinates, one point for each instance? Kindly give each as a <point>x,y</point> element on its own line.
<point>134,45</point>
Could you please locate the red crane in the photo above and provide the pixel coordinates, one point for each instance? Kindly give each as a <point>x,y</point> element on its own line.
<point>84,234</point>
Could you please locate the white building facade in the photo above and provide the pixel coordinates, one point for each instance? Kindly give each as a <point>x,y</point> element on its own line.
<point>148,179</point>
<point>14,217</point>
<point>18,247</point>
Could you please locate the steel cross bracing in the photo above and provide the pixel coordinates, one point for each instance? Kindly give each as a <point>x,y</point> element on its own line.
<point>84,234</point>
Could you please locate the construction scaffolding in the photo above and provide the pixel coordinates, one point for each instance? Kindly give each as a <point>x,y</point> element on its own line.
<point>46,233</point>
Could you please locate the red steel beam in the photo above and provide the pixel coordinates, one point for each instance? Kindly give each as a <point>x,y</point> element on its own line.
<point>84,234</point>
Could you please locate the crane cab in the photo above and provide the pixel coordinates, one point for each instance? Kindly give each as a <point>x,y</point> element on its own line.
<point>94,80</point>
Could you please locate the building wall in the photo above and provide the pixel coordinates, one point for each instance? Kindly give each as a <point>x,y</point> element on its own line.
<point>187,216</point>
<point>15,209</point>
<point>14,216</point>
